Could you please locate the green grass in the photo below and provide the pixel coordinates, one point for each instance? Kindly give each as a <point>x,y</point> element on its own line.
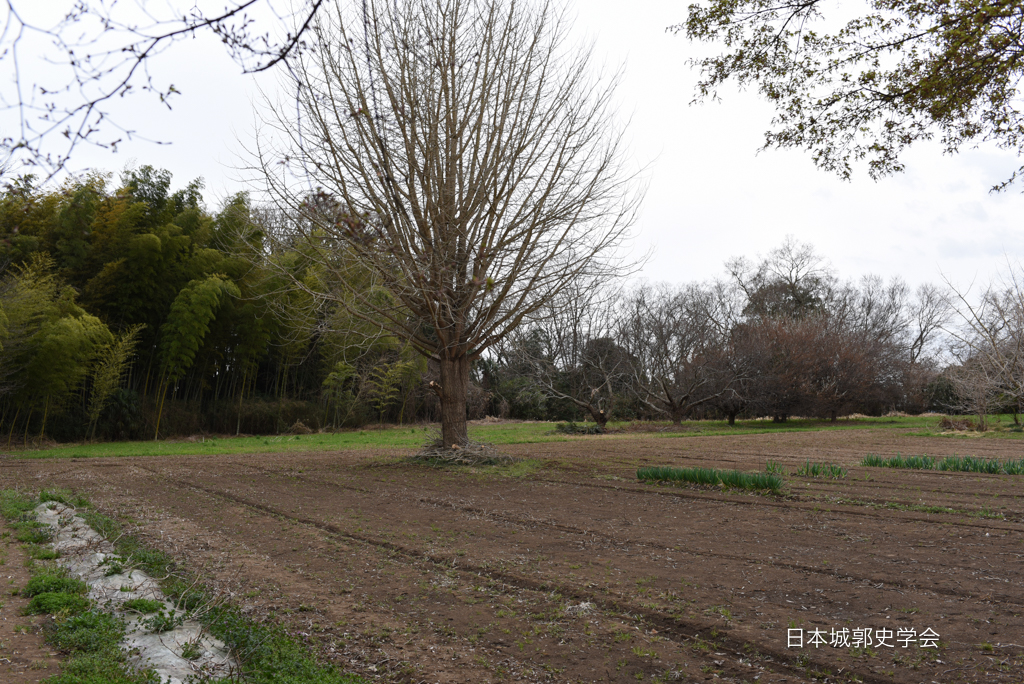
<point>955,464</point>
<point>413,437</point>
<point>829,470</point>
<point>50,603</point>
<point>712,477</point>
<point>51,579</point>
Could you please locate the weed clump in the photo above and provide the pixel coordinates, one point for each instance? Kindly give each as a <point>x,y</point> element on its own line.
<point>144,606</point>
<point>711,477</point>
<point>50,580</point>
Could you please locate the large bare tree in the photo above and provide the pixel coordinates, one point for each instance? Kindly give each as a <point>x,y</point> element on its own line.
<point>462,151</point>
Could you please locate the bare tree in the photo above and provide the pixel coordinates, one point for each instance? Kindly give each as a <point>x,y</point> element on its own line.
<point>988,342</point>
<point>791,280</point>
<point>67,65</point>
<point>676,341</point>
<point>465,154</point>
<point>929,313</point>
<point>573,352</point>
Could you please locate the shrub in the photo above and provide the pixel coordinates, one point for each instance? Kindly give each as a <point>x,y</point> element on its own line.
<point>959,424</point>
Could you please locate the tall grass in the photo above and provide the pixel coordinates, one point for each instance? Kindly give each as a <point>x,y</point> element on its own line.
<point>955,464</point>
<point>712,477</point>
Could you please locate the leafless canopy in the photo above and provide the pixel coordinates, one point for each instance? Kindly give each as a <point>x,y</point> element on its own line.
<point>988,343</point>
<point>465,154</point>
<point>67,62</point>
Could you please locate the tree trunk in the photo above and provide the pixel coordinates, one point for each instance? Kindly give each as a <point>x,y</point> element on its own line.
<point>599,416</point>
<point>453,391</point>
<point>834,415</point>
<point>732,418</point>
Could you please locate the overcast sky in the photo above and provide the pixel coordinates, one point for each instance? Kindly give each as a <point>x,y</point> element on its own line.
<point>711,194</point>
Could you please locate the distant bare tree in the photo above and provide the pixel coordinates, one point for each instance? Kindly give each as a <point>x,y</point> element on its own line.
<point>572,351</point>
<point>988,342</point>
<point>675,340</point>
<point>929,313</point>
<point>466,156</point>
<point>791,280</point>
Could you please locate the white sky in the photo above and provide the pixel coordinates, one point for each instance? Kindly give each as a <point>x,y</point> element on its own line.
<point>711,195</point>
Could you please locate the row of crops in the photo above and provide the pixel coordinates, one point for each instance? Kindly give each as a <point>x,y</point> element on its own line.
<point>771,480</point>
<point>733,479</point>
<point>956,464</point>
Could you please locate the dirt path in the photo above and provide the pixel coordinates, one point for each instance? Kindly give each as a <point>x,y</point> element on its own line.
<point>415,574</point>
<point>24,656</point>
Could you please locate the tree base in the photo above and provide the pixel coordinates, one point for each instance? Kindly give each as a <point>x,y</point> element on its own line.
<point>437,452</point>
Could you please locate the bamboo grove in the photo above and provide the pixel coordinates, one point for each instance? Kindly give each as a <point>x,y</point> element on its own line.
<point>128,310</point>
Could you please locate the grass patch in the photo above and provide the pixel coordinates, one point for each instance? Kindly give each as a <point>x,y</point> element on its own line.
<point>412,437</point>
<point>14,504</point>
<point>829,470</point>
<point>50,603</point>
<point>711,477</point>
<point>92,638</point>
<point>92,641</point>
<point>955,464</point>
<point>89,638</point>
<point>50,580</point>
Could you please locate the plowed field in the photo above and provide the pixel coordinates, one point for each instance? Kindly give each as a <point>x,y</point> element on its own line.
<point>574,571</point>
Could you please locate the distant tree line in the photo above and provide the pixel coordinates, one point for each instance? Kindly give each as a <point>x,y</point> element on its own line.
<point>780,337</point>
<point>128,311</point>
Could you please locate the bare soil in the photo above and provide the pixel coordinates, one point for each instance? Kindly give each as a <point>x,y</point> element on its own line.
<point>24,655</point>
<point>407,573</point>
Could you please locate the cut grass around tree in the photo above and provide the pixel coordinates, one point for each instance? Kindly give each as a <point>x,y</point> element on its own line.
<point>733,479</point>
<point>955,464</point>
